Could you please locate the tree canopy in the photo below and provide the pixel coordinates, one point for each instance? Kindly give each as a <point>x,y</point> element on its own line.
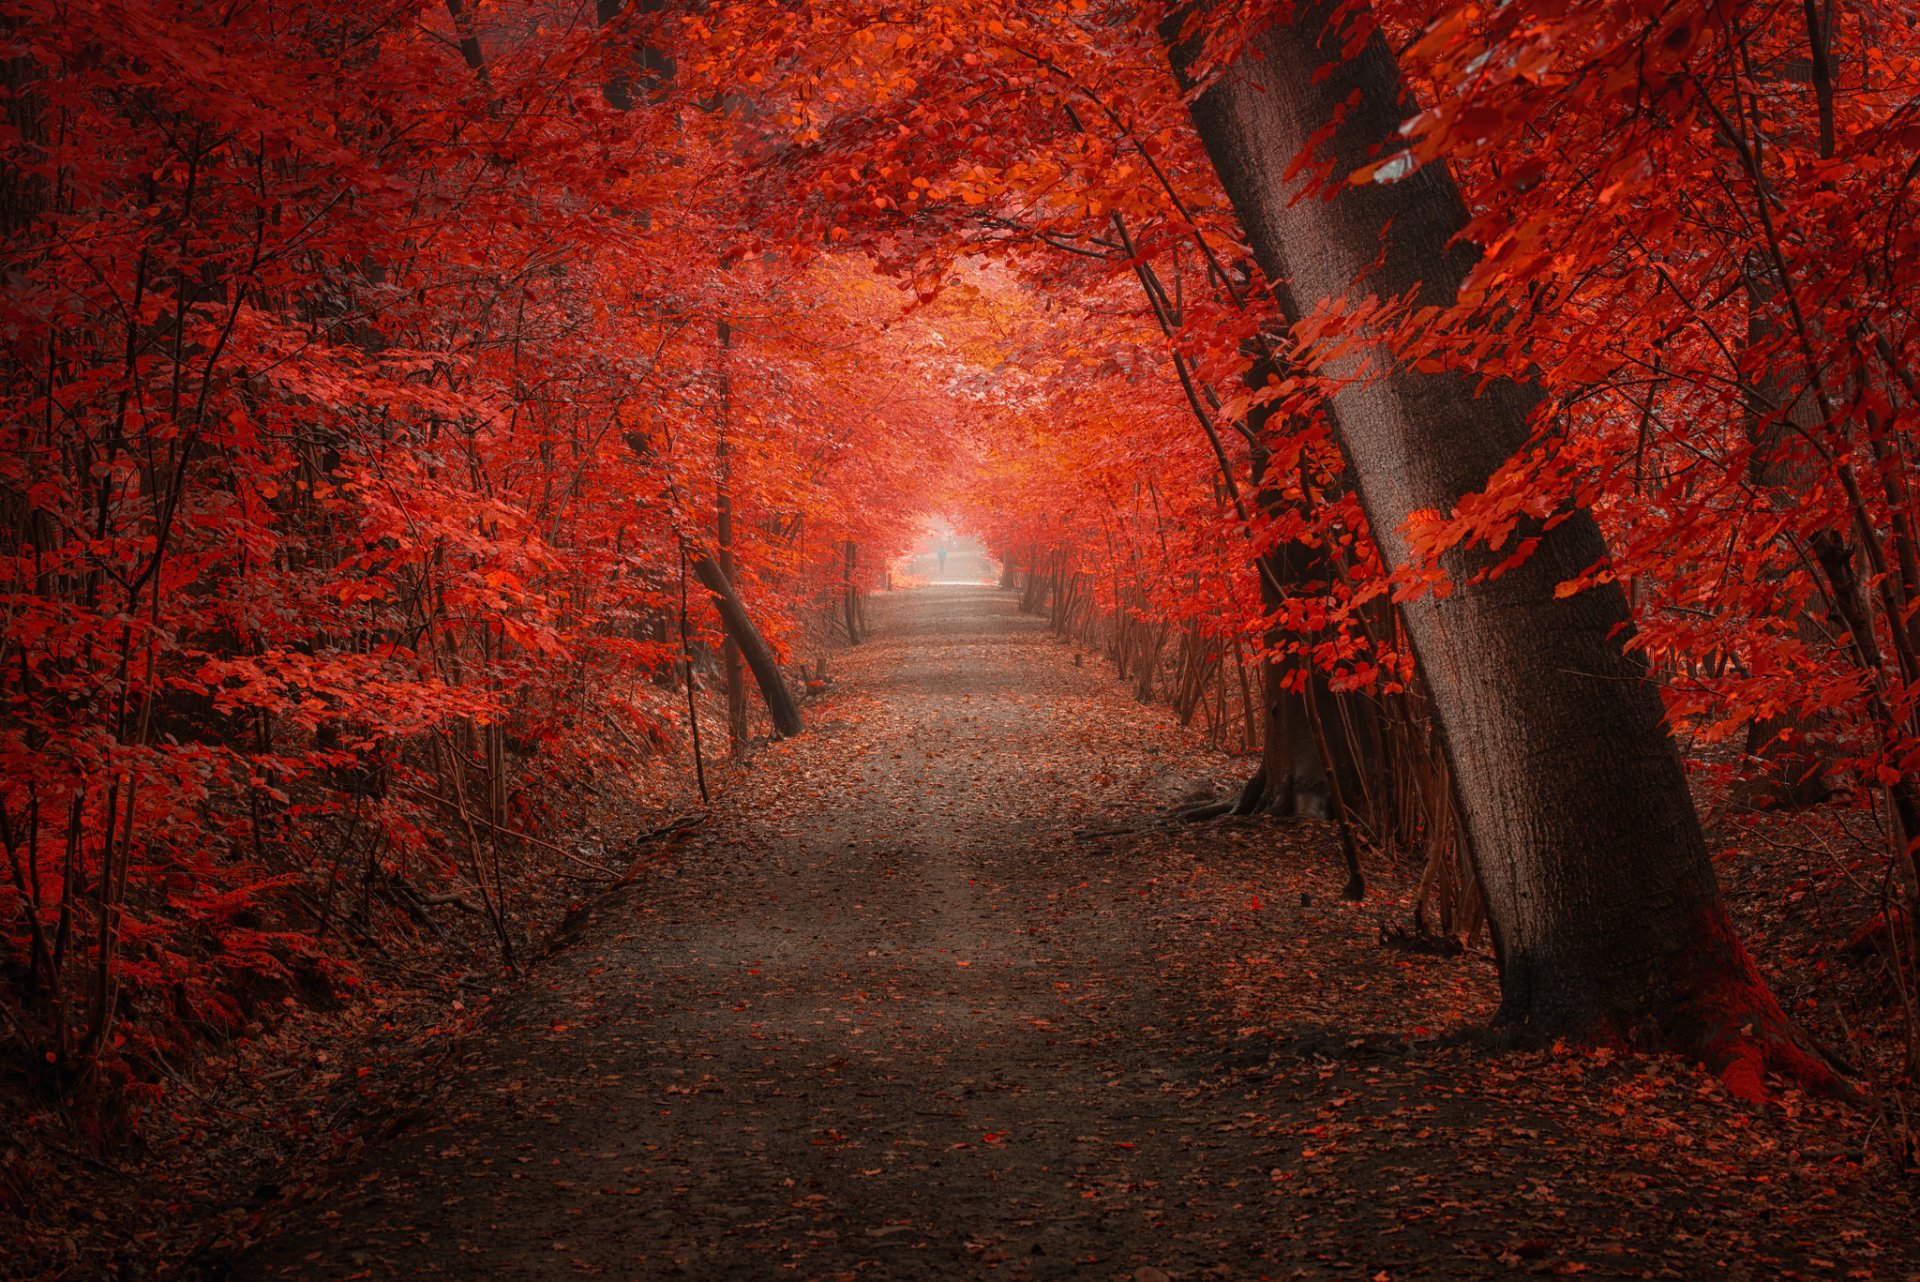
<point>388,388</point>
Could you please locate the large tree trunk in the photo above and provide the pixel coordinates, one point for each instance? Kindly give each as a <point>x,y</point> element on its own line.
<point>1606,917</point>
<point>739,626</point>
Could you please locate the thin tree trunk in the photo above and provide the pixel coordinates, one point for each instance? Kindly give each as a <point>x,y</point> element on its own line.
<point>734,679</point>
<point>760,660</point>
<point>649,66</point>
<point>470,50</point>
<point>1031,598</point>
<point>1293,778</point>
<point>686,669</point>
<point>851,596</point>
<point>1792,768</point>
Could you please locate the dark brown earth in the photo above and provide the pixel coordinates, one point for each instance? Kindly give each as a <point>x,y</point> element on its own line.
<point>938,995</point>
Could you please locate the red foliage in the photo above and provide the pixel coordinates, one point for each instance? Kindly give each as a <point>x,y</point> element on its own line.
<point>356,419</point>
<point>365,385</point>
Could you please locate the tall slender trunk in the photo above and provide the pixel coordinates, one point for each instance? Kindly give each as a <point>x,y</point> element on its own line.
<point>647,67</point>
<point>850,597</point>
<point>652,70</point>
<point>1035,592</point>
<point>1291,779</point>
<point>1295,752</point>
<point>733,678</point>
<point>1792,768</point>
<point>1605,912</point>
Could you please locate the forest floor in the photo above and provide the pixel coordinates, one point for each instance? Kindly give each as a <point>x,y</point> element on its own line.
<point>937,994</point>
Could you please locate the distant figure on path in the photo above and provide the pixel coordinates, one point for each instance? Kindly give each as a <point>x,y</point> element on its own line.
<point>940,552</point>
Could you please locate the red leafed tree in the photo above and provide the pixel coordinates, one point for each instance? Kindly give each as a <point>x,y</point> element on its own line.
<point>410,412</point>
<point>358,411</point>
<point>1594,326</point>
<point>1601,896</point>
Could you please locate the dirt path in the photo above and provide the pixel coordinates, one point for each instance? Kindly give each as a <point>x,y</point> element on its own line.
<point>890,1017</point>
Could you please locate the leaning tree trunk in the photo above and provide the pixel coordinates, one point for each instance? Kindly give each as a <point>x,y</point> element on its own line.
<point>1605,912</point>
<point>753,647</point>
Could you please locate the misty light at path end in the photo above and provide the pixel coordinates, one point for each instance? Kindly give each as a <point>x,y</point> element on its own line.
<point>944,555</point>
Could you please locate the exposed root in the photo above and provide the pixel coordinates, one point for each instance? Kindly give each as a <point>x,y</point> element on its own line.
<point>1420,941</point>
<point>1723,1014</point>
<point>1253,795</point>
<point>1703,1000</point>
<point>1202,812</point>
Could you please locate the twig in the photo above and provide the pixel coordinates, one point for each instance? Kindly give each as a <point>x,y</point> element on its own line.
<point>502,830</point>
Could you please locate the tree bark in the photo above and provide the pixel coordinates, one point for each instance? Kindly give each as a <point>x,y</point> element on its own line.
<point>739,625</point>
<point>649,68</point>
<point>1606,917</point>
<point>1293,778</point>
<point>1031,599</point>
<point>732,677</point>
<point>1792,769</point>
<point>850,600</point>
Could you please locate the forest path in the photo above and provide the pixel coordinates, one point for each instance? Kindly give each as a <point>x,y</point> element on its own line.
<point>888,1016</point>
